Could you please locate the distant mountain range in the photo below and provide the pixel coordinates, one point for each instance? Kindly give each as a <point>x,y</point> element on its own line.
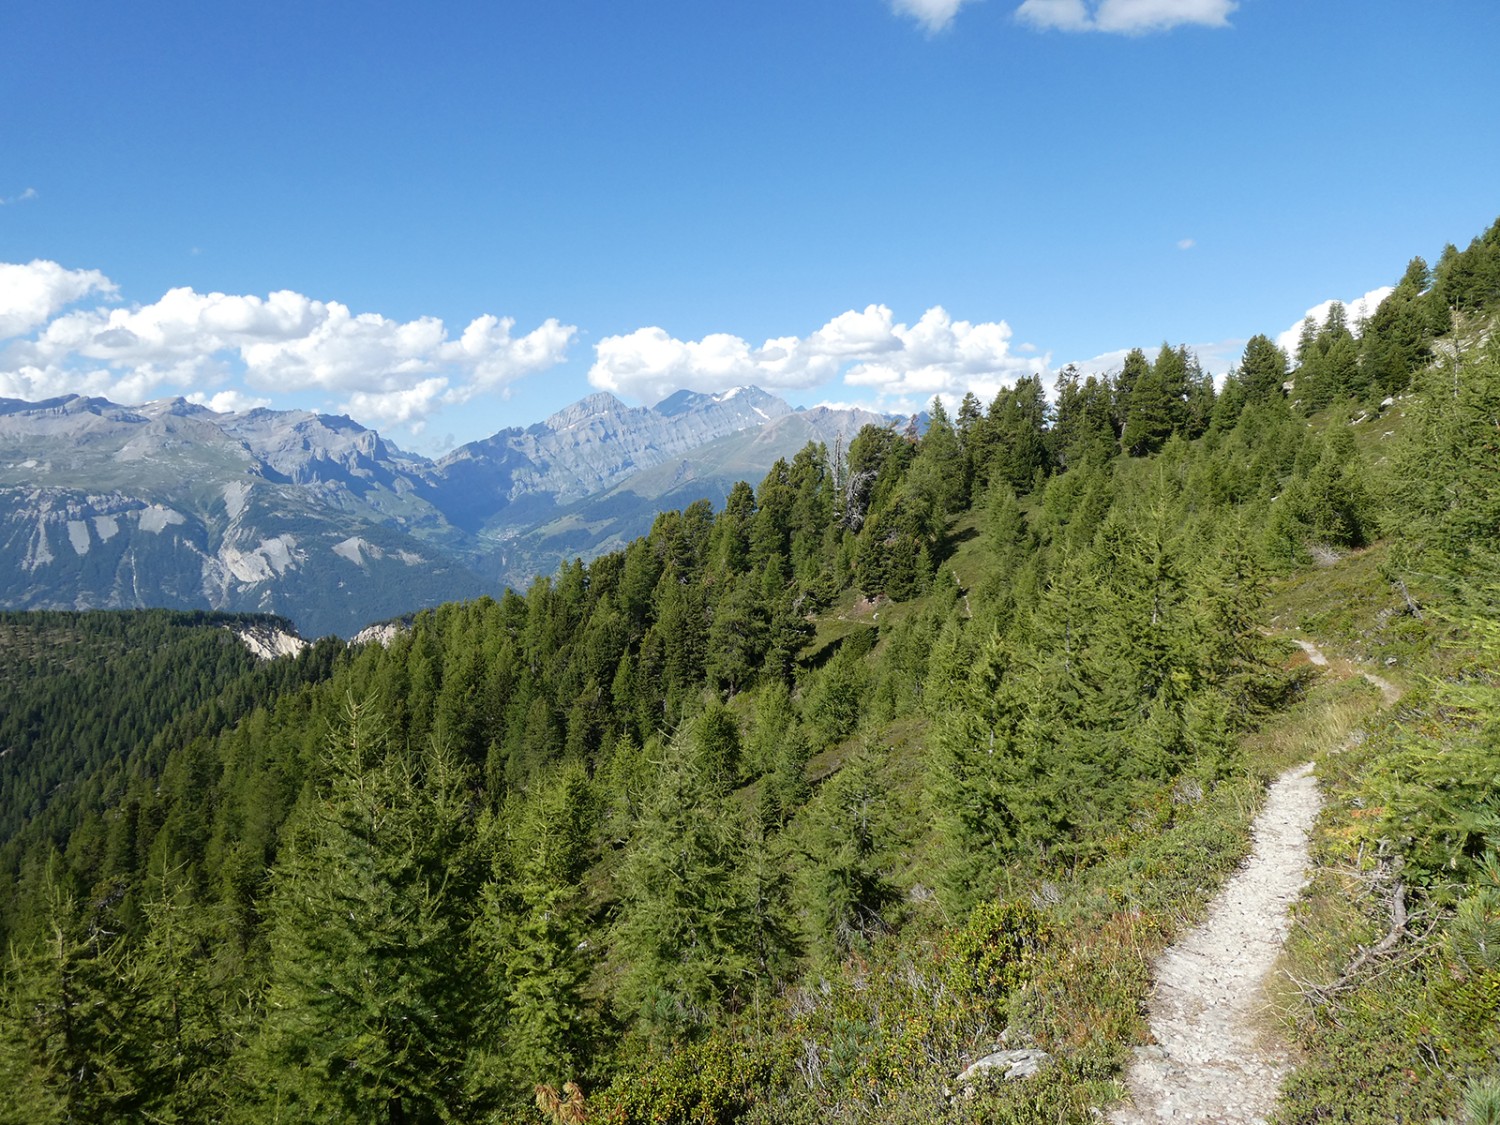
<point>321,520</point>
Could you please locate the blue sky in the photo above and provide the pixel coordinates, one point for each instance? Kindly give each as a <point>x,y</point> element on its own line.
<point>448,218</point>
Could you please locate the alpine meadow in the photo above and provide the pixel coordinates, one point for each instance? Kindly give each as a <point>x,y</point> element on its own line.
<point>919,749</point>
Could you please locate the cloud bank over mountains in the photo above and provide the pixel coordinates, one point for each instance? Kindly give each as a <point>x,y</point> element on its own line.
<point>936,355</point>
<point>64,331</point>
<point>32,294</point>
<point>198,344</point>
<point>1357,311</point>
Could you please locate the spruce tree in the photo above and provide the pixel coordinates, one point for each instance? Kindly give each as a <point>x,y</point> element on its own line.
<point>977,767</point>
<point>1201,400</point>
<point>968,425</point>
<point>1134,369</point>
<point>776,501</point>
<point>1448,464</point>
<point>536,1023</point>
<point>1176,371</point>
<point>730,547</point>
<point>1017,424</point>
<point>1151,416</point>
<point>738,636</point>
<point>1397,340</point>
<point>833,700</point>
<point>546,1023</point>
<point>940,459</point>
<point>1085,419</point>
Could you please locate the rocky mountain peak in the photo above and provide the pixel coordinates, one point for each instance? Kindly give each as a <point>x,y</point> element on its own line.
<point>600,404</point>
<point>747,402</point>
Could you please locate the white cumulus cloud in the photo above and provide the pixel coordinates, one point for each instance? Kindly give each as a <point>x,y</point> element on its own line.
<point>407,406</point>
<point>934,15</point>
<point>33,293</point>
<point>35,384</point>
<point>1106,363</point>
<point>493,357</point>
<point>1356,312</point>
<point>1124,17</point>
<point>895,361</point>
<point>188,342</point>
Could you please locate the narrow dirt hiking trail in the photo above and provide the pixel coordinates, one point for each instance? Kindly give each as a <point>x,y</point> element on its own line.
<point>1212,1061</point>
<point>1388,691</point>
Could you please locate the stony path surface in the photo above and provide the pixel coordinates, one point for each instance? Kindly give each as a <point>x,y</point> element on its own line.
<point>1212,1062</point>
<point>1388,691</point>
<point>1314,653</point>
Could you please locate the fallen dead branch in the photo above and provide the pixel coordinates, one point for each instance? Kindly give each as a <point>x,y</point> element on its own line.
<point>1389,950</point>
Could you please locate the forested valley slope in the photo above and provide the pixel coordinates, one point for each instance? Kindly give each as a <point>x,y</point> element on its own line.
<point>790,811</point>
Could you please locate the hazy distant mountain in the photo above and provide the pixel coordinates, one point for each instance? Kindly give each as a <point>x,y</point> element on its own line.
<point>169,504</point>
<point>523,475</point>
<point>321,520</point>
<point>610,519</point>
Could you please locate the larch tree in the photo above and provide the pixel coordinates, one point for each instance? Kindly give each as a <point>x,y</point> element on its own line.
<point>368,1015</point>
<point>1262,370</point>
<point>70,1046</point>
<point>847,892</point>
<point>686,932</point>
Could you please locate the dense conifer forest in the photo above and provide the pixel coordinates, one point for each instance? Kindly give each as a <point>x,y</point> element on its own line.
<point>785,811</point>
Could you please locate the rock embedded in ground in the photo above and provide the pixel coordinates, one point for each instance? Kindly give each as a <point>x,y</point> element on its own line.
<point>1023,1062</point>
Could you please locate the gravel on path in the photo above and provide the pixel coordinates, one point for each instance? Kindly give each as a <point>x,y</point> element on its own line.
<point>1213,1060</point>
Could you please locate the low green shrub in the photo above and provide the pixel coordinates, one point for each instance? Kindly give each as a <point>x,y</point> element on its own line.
<point>996,950</point>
